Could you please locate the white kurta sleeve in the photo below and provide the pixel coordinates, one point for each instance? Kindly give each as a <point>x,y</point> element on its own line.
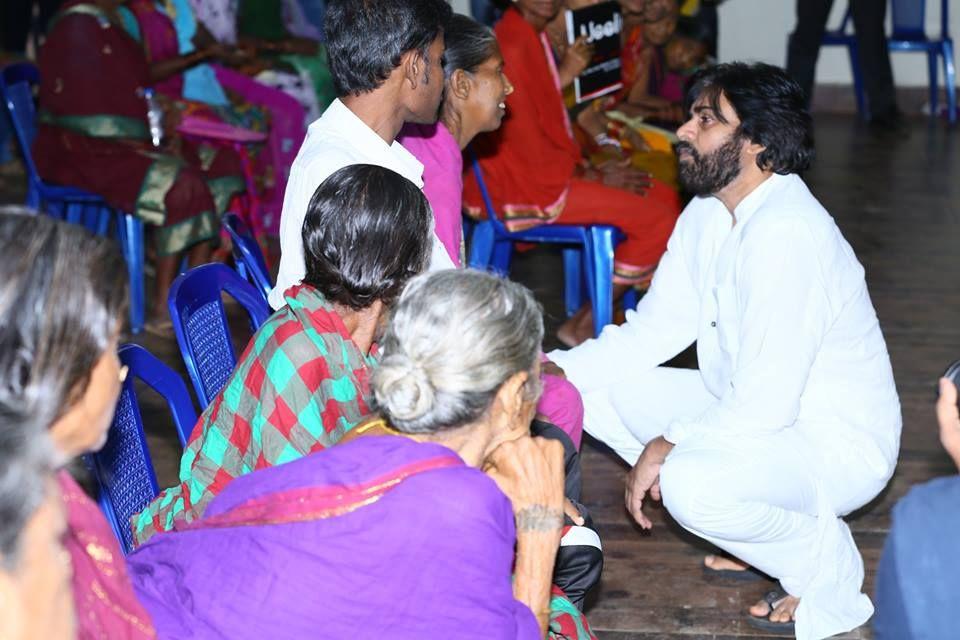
<point>663,324</point>
<point>784,312</point>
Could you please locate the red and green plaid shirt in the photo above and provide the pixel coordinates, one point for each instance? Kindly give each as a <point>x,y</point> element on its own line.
<point>301,383</point>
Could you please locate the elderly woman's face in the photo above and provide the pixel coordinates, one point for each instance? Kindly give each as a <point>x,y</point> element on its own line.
<point>83,428</point>
<point>37,597</point>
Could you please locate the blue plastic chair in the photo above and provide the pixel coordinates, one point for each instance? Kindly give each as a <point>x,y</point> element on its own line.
<point>247,254</point>
<point>200,323</point>
<point>909,34</point>
<point>122,470</point>
<point>70,203</point>
<point>587,255</point>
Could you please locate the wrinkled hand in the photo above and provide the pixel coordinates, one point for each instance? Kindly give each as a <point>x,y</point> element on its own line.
<point>644,479</point>
<point>949,418</point>
<point>577,57</point>
<point>530,472</point>
<point>621,174</point>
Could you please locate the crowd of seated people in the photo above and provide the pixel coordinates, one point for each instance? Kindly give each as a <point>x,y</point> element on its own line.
<point>285,426</point>
<point>536,173</point>
<point>392,440</point>
<point>451,441</point>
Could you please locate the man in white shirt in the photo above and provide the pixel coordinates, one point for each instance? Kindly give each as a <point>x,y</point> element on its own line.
<point>386,62</point>
<point>792,420</point>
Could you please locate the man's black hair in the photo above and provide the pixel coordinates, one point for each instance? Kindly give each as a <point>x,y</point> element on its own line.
<point>770,106</point>
<point>365,39</point>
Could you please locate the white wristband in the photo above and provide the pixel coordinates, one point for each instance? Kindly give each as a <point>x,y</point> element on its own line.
<point>603,139</point>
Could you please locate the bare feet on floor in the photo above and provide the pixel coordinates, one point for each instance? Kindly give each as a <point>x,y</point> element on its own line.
<point>724,563</point>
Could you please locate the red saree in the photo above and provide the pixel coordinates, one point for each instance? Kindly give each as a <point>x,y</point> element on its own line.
<point>530,164</point>
<point>93,133</point>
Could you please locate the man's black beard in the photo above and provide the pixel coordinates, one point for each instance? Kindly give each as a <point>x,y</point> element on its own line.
<point>704,175</point>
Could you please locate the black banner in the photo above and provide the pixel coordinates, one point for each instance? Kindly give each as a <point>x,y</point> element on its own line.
<point>601,24</point>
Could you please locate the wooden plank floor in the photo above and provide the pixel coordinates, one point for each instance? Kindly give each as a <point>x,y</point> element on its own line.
<point>896,200</point>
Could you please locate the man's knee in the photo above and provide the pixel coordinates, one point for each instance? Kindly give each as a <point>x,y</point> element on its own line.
<point>692,494</point>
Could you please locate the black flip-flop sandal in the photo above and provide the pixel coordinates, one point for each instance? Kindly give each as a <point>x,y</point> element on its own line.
<point>744,575</point>
<point>765,623</point>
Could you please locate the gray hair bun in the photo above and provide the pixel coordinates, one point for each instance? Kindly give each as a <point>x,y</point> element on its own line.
<point>403,389</point>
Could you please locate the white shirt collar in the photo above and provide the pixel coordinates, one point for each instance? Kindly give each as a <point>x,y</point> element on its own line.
<point>339,119</point>
<point>755,199</point>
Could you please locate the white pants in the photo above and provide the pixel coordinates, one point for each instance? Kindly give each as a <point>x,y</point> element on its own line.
<point>775,500</point>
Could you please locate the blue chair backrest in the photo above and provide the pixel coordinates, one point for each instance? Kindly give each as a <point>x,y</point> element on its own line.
<point>200,323</point>
<point>122,469</point>
<point>247,254</point>
<point>908,18</point>
<point>487,200</point>
<point>15,88</point>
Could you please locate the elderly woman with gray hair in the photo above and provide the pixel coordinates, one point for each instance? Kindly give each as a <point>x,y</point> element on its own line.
<point>414,524</point>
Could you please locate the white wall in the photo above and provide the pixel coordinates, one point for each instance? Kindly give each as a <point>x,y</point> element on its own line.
<point>758,30</point>
<point>461,6</point>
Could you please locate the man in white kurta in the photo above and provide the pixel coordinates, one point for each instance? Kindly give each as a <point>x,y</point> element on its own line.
<point>792,419</point>
<point>361,126</point>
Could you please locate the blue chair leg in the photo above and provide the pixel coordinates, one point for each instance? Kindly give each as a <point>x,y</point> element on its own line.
<point>468,225</point>
<point>56,210</point>
<point>950,80</point>
<point>481,246</point>
<point>630,299</point>
<point>572,279</point>
<point>103,220</point>
<point>131,241</point>
<point>601,241</point>
<point>502,252</point>
<point>934,87</point>
<point>858,89</point>
<point>74,212</point>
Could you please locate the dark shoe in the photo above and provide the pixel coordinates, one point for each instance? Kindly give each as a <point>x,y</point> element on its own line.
<point>890,122</point>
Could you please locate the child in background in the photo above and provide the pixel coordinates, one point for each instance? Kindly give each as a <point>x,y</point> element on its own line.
<point>658,90</point>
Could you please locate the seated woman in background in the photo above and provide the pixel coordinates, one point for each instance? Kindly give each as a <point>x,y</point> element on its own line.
<point>61,372</point>
<point>409,529</point>
<point>474,92</point>
<point>180,70</point>
<point>94,134</point>
<point>535,172</point>
<point>919,572</point>
<point>654,79</point>
<point>303,380</point>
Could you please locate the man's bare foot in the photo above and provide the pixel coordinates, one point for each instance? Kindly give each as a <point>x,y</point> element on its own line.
<point>784,609</point>
<point>724,563</point>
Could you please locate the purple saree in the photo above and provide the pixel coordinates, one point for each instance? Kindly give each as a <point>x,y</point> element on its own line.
<point>378,537</point>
